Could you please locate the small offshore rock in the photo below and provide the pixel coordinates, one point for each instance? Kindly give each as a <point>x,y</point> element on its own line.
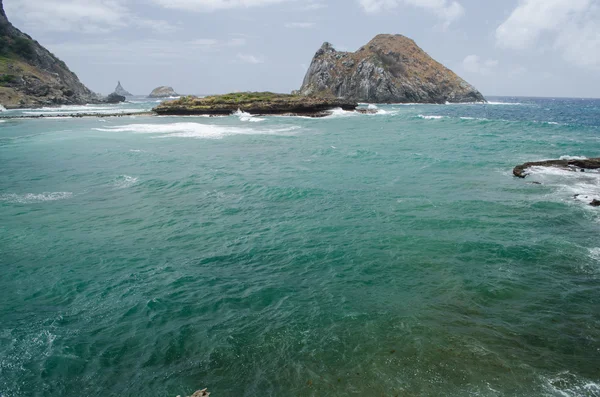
<point>115,98</point>
<point>163,92</point>
<point>595,203</point>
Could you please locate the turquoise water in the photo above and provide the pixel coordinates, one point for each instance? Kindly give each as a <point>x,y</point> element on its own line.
<point>389,255</point>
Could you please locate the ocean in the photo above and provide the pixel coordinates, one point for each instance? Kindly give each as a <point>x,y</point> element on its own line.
<point>391,254</point>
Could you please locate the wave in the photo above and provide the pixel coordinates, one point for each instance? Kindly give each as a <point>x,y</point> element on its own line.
<point>31,198</point>
<point>125,181</point>
<point>594,253</point>
<point>573,158</point>
<point>581,186</point>
<point>569,385</point>
<point>433,117</point>
<point>243,116</point>
<point>197,130</point>
<point>505,104</point>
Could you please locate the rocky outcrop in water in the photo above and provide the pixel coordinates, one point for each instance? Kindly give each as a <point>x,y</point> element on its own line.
<point>163,92</point>
<point>115,98</point>
<point>31,76</point>
<point>569,165</point>
<point>257,103</point>
<point>122,91</point>
<point>389,69</point>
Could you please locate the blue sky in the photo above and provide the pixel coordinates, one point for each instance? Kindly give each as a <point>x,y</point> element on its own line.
<point>503,47</point>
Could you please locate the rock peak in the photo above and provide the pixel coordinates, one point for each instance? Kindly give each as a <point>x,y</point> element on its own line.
<point>388,69</point>
<point>122,91</point>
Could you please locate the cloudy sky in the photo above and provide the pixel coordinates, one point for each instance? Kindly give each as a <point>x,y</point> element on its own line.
<point>503,47</point>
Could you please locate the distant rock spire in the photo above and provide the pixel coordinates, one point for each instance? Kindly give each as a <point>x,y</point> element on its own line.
<point>120,90</point>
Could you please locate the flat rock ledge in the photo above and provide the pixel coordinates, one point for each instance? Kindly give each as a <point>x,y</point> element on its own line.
<point>569,165</point>
<point>261,104</point>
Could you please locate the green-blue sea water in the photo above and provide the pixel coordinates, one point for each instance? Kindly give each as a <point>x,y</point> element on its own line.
<point>391,254</point>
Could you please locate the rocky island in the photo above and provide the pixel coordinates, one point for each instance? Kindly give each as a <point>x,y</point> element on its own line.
<point>389,69</point>
<point>163,92</point>
<point>31,76</point>
<point>259,103</point>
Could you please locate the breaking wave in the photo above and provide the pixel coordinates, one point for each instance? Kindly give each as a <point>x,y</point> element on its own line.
<point>197,130</point>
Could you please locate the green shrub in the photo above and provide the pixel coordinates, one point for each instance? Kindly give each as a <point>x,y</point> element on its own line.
<point>8,79</point>
<point>23,47</point>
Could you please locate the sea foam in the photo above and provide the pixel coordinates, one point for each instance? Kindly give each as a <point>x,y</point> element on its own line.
<point>31,198</point>
<point>197,130</point>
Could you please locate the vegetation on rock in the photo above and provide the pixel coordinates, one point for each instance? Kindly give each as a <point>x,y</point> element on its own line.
<point>253,102</point>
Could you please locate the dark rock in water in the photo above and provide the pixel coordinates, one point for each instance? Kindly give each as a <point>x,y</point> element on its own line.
<point>536,183</point>
<point>163,92</point>
<point>31,76</point>
<point>115,98</point>
<point>258,103</point>
<point>595,203</point>
<point>389,69</point>
<point>122,91</point>
<point>570,165</point>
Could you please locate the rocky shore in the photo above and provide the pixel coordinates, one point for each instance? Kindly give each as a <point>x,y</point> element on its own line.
<point>256,103</point>
<point>570,165</point>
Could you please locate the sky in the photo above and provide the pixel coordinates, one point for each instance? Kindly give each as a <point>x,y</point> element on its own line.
<point>548,48</point>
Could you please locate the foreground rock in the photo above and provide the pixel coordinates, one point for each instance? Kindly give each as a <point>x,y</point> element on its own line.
<point>122,91</point>
<point>389,69</point>
<point>163,92</point>
<point>569,165</point>
<point>31,76</point>
<point>257,103</point>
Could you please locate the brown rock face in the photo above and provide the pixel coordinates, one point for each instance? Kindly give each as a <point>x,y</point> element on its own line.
<point>32,76</point>
<point>389,69</point>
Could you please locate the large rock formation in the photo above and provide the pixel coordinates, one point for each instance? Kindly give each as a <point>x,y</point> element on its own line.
<point>32,76</point>
<point>122,91</point>
<point>390,69</point>
<point>163,92</point>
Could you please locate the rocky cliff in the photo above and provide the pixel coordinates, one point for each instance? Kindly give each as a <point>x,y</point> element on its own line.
<point>32,76</point>
<point>389,69</point>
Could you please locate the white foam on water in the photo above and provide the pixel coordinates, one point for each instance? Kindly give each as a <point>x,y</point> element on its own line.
<point>2,108</point>
<point>430,117</point>
<point>505,104</point>
<point>2,121</point>
<point>339,112</point>
<point>125,181</point>
<point>595,253</point>
<point>580,186</point>
<point>568,385</point>
<point>573,158</point>
<point>243,116</point>
<point>197,130</point>
<point>31,198</point>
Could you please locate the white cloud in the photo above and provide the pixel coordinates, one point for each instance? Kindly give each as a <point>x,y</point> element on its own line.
<point>86,16</point>
<point>447,10</point>
<point>474,64</point>
<point>214,5</point>
<point>246,58</point>
<point>300,25</point>
<point>572,25</point>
